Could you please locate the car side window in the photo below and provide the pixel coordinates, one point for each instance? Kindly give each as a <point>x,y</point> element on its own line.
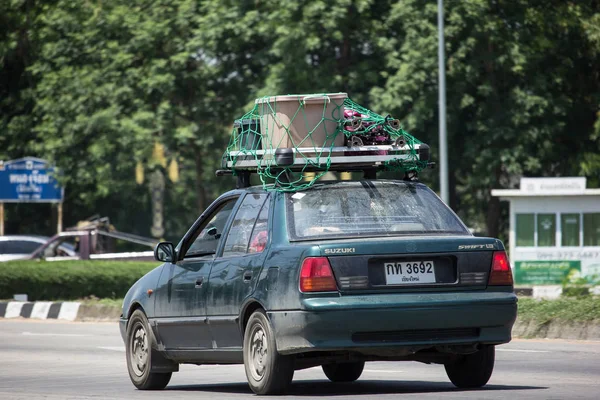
<point>260,234</point>
<point>210,232</point>
<point>22,247</point>
<point>243,224</point>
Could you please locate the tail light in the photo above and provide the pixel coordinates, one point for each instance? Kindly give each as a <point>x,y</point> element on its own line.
<point>316,275</point>
<point>501,274</point>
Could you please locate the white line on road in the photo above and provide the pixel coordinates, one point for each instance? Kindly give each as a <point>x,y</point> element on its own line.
<point>112,348</point>
<point>54,334</point>
<point>383,371</point>
<point>523,351</point>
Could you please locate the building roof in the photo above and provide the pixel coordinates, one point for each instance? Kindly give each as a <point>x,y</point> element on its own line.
<point>548,187</point>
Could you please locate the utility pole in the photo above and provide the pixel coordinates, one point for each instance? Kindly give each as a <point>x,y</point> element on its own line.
<point>442,106</point>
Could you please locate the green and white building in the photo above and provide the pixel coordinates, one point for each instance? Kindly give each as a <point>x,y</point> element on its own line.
<point>554,230</point>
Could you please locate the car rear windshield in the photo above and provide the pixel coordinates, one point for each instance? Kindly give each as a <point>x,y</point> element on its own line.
<point>369,208</point>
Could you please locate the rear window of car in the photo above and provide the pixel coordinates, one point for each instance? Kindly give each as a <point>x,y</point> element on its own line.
<point>369,208</point>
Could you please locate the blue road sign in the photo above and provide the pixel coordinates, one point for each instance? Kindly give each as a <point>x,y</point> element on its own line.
<point>28,180</point>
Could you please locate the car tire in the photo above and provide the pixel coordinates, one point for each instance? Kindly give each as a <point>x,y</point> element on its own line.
<point>472,370</point>
<point>344,372</point>
<point>267,371</point>
<point>138,348</point>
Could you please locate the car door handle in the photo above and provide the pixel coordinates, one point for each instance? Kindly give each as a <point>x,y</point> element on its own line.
<point>247,276</point>
<point>199,282</point>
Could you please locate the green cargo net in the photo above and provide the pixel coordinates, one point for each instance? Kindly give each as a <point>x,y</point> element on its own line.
<point>316,128</point>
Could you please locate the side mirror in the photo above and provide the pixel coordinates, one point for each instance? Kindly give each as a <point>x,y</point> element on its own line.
<point>165,252</point>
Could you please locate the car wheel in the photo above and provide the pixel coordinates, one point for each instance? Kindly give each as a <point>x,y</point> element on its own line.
<point>139,345</point>
<point>472,370</point>
<point>344,372</point>
<point>268,372</point>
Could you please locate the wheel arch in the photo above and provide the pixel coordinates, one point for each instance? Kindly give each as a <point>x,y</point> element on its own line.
<point>135,306</point>
<point>248,308</point>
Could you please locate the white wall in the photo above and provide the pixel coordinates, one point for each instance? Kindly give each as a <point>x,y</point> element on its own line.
<point>588,255</point>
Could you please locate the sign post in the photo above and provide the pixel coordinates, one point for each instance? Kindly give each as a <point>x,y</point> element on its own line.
<point>29,180</point>
<point>59,219</point>
<point>1,219</point>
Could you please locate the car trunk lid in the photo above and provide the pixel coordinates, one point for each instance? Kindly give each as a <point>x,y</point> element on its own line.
<point>410,264</point>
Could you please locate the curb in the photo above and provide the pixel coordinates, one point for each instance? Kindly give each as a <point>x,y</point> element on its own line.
<point>572,330</point>
<point>65,311</point>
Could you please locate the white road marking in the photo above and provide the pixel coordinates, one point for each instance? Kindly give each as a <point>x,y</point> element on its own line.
<point>54,334</point>
<point>13,309</point>
<point>523,351</point>
<point>383,371</point>
<point>68,310</point>
<point>112,348</point>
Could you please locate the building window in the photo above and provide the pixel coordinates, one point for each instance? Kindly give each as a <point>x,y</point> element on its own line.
<point>591,229</point>
<point>569,226</point>
<point>546,229</point>
<point>525,229</point>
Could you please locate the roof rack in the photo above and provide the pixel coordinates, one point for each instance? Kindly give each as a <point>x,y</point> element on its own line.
<point>284,136</point>
<point>366,159</point>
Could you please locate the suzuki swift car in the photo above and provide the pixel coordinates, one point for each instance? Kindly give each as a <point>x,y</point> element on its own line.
<point>335,276</point>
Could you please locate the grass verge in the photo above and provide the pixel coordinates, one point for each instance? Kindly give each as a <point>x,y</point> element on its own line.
<point>566,309</point>
<point>102,302</point>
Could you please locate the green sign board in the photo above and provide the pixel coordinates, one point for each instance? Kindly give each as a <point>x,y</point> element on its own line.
<point>545,272</point>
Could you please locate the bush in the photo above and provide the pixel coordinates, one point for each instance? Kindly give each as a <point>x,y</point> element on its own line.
<point>575,291</point>
<point>67,280</point>
<point>578,287</point>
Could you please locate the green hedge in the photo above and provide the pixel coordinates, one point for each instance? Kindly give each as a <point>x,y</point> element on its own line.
<point>66,280</point>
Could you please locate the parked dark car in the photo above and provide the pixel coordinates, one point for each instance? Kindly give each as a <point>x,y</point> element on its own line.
<point>337,275</point>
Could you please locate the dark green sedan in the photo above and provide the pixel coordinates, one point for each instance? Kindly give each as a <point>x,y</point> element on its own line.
<point>334,276</point>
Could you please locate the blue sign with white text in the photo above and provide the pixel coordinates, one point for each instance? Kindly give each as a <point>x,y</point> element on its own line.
<point>28,180</point>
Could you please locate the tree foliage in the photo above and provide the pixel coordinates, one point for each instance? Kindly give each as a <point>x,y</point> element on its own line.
<point>522,91</point>
<point>94,85</point>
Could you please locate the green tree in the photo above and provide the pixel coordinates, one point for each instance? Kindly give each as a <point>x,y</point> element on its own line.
<point>19,46</point>
<point>95,86</point>
<point>522,91</point>
<point>115,79</point>
<point>590,165</point>
<point>326,46</point>
<point>17,53</point>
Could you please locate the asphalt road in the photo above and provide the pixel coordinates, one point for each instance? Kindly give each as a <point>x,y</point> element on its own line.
<point>58,360</point>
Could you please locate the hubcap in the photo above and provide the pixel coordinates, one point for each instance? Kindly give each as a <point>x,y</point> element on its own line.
<point>258,352</point>
<point>139,350</point>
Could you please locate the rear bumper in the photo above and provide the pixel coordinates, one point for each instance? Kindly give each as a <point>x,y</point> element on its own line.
<point>405,320</point>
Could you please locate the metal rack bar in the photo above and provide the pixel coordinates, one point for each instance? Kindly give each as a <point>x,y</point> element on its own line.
<point>367,161</point>
<point>327,150</point>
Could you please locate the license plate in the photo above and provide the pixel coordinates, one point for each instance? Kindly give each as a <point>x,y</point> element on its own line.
<point>409,272</point>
